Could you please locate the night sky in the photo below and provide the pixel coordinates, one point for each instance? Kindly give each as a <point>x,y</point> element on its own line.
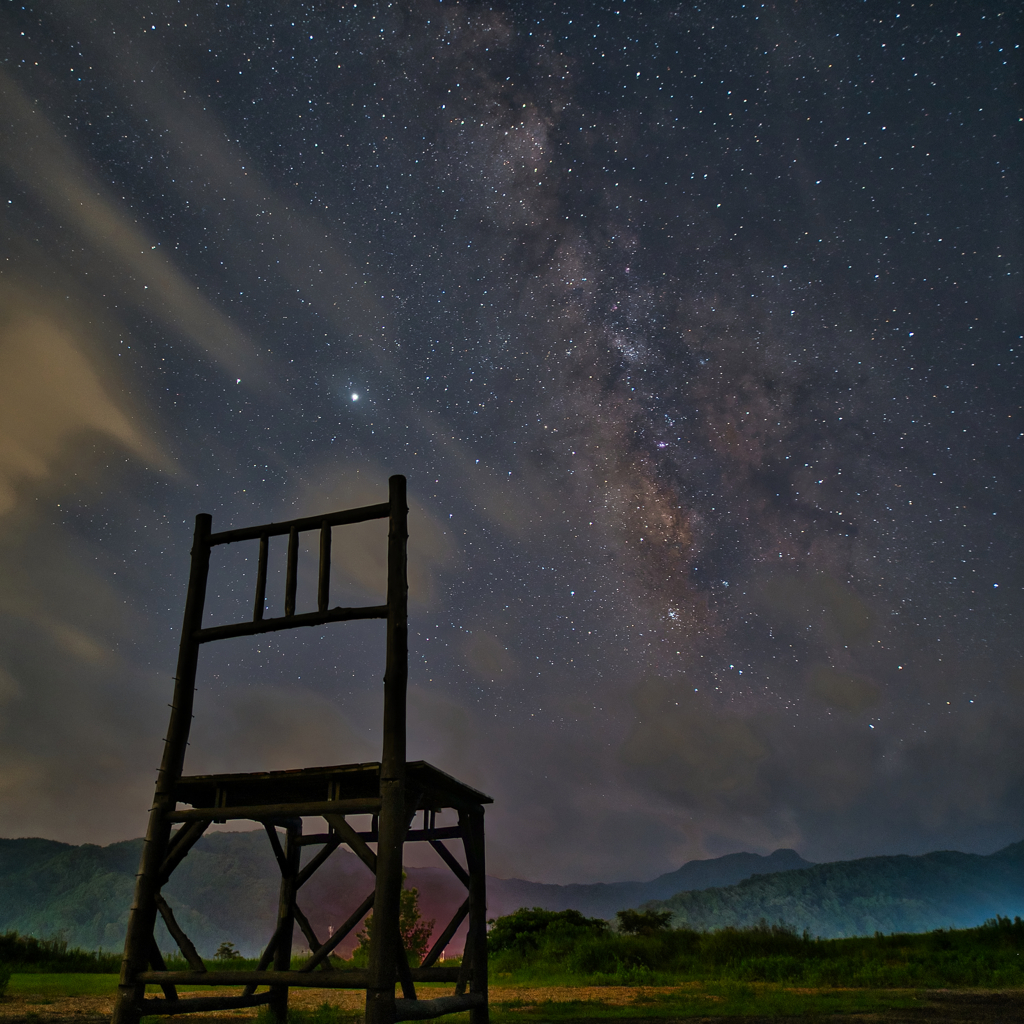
<point>696,329</point>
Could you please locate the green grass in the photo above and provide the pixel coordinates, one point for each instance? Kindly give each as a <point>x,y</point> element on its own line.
<point>990,956</point>
<point>58,986</point>
<point>767,971</point>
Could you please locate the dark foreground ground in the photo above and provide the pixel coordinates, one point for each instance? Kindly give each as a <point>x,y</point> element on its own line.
<point>930,1007</point>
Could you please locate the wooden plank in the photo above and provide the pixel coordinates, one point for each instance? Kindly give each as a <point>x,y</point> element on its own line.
<point>354,839</point>
<point>344,517</point>
<point>261,812</point>
<point>234,629</point>
<point>189,951</point>
<point>446,936</point>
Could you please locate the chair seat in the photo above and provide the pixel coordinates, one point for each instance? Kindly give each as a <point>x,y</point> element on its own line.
<point>431,788</point>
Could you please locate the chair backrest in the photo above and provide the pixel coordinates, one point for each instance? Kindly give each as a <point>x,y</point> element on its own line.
<point>194,634</point>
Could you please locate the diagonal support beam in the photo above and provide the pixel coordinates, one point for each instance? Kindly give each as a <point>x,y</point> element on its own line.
<point>157,960</point>
<point>265,958</point>
<point>449,858</point>
<point>195,961</point>
<point>446,936</point>
<point>181,842</point>
<point>307,872</point>
<point>307,930</point>
<point>327,948</point>
<point>354,839</point>
<point>275,844</point>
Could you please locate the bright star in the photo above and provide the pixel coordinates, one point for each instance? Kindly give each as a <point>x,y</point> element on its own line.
<point>355,397</point>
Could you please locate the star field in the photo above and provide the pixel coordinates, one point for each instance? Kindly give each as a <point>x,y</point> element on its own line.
<point>696,329</point>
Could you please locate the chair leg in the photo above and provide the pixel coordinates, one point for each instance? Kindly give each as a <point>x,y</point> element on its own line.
<point>278,1004</point>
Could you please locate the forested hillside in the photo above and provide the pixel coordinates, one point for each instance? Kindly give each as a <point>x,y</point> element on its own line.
<point>860,897</point>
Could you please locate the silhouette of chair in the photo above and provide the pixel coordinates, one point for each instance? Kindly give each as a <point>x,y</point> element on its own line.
<point>393,791</point>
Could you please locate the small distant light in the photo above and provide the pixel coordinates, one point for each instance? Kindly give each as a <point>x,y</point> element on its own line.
<point>355,397</point>
<point>870,726</point>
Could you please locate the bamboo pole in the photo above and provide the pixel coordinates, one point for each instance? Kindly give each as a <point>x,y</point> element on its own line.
<point>449,858</point>
<point>291,576</point>
<point>181,842</point>
<point>142,917</point>
<point>188,950</point>
<point>259,812</point>
<point>278,1003</point>
<point>476,941</point>
<point>336,939</point>
<point>446,936</point>
<point>260,600</point>
<point>297,979</point>
<point>393,822</point>
<point>323,590</point>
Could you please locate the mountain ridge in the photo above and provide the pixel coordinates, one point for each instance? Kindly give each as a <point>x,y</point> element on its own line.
<point>226,890</point>
<point>897,893</point>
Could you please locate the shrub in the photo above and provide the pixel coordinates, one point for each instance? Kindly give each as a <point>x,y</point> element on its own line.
<point>643,922</point>
<point>528,928</point>
<point>415,931</point>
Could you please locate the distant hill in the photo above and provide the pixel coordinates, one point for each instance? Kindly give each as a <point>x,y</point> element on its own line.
<point>860,897</point>
<point>226,889</point>
<point>603,899</point>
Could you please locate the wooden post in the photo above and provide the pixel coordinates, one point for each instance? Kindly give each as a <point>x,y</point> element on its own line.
<point>472,823</point>
<point>384,937</point>
<point>142,917</point>
<point>278,1004</point>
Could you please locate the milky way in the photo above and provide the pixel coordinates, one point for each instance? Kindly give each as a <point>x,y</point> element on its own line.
<point>696,330</point>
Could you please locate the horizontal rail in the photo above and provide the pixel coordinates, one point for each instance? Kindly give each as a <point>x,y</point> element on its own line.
<point>375,611</point>
<point>342,518</point>
<point>417,835</point>
<point>260,812</point>
<point>302,979</point>
<point>203,1004</point>
<point>425,1009</point>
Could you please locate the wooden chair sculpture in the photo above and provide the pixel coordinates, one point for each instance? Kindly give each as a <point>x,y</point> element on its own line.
<point>393,791</point>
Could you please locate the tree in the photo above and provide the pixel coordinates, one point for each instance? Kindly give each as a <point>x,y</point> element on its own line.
<point>226,951</point>
<point>415,932</point>
<point>643,922</point>
<point>528,927</point>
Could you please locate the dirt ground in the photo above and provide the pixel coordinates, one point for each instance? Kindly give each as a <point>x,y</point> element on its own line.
<point>939,1007</point>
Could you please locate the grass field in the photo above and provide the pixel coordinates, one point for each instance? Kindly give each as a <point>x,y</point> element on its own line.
<point>550,967</point>
<point>52,998</point>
